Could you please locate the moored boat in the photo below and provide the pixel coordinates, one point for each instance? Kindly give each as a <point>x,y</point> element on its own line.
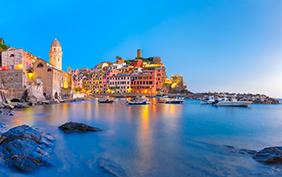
<point>137,101</point>
<point>105,101</point>
<point>173,101</point>
<point>232,101</point>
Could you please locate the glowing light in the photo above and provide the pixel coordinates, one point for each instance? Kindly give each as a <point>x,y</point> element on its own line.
<point>20,66</point>
<point>173,85</point>
<point>30,75</point>
<point>65,84</point>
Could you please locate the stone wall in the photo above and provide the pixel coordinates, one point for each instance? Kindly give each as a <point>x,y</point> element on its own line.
<point>13,79</point>
<point>12,57</point>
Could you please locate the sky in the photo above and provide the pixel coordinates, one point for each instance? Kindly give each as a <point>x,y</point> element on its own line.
<point>217,45</point>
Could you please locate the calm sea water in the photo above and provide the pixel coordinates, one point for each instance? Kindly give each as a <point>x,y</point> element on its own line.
<point>157,139</point>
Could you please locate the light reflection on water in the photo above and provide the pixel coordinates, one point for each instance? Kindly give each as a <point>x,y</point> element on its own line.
<point>156,139</point>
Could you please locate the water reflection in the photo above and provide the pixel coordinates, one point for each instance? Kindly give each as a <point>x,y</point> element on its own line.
<point>155,139</point>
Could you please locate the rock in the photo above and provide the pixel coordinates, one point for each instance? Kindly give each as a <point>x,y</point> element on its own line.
<point>77,127</point>
<point>25,148</point>
<point>111,167</point>
<point>270,155</point>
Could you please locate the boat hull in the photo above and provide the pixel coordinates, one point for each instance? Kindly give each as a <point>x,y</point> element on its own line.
<point>173,102</point>
<point>137,103</point>
<point>234,103</point>
<point>109,101</point>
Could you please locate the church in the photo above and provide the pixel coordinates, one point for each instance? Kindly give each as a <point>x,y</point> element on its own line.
<point>56,83</point>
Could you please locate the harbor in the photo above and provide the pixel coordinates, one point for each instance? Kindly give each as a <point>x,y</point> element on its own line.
<point>155,139</point>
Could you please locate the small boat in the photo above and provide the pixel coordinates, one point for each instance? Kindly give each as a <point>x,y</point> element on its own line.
<point>137,101</point>
<point>205,101</point>
<point>208,100</point>
<point>173,101</point>
<point>232,101</point>
<point>105,101</point>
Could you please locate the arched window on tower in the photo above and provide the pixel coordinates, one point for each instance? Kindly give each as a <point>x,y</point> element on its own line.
<point>12,55</point>
<point>54,49</point>
<point>58,59</point>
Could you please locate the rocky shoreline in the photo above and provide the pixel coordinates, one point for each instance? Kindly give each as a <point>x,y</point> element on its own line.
<point>255,98</point>
<point>27,149</point>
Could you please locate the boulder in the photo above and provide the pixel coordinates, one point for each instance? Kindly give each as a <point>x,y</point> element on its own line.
<point>77,127</point>
<point>111,167</point>
<point>270,155</point>
<point>25,148</point>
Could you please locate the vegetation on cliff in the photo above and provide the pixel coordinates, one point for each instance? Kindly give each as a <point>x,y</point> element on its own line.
<point>3,47</point>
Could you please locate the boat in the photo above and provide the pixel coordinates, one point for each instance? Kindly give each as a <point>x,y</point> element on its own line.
<point>205,100</point>
<point>137,101</point>
<point>173,101</point>
<point>161,100</point>
<point>232,101</point>
<point>105,101</point>
<point>208,100</point>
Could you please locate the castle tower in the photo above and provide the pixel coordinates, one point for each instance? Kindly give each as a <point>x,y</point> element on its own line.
<point>139,55</point>
<point>55,54</point>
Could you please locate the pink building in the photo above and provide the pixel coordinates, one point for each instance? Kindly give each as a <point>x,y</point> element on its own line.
<point>120,83</point>
<point>158,78</point>
<point>78,81</point>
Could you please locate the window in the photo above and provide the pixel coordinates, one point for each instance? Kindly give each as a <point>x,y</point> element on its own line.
<point>147,82</point>
<point>58,59</point>
<point>143,82</point>
<point>12,55</point>
<point>40,65</point>
<point>150,82</point>
<point>48,70</point>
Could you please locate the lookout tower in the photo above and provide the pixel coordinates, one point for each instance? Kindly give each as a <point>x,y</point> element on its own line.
<point>55,54</point>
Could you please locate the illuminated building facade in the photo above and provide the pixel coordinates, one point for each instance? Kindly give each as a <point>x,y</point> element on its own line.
<point>17,59</point>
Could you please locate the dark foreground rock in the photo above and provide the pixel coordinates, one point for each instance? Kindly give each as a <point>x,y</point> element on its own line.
<point>77,127</point>
<point>111,167</point>
<point>270,155</point>
<point>25,148</point>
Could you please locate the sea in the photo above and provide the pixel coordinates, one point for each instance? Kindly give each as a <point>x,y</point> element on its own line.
<point>159,140</point>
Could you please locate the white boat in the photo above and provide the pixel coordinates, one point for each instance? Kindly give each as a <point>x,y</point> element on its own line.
<point>205,101</point>
<point>173,101</point>
<point>137,101</point>
<point>208,100</point>
<point>232,101</point>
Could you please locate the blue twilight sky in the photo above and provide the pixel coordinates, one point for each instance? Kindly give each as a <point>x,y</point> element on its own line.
<point>217,45</point>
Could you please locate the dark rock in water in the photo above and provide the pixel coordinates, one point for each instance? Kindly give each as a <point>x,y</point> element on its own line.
<point>111,167</point>
<point>270,155</point>
<point>247,151</point>
<point>77,127</point>
<point>25,148</point>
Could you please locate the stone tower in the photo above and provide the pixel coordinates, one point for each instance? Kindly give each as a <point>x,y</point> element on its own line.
<point>55,54</point>
<point>139,55</point>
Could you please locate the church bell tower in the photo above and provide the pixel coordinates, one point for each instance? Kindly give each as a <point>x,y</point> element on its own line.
<point>55,54</point>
